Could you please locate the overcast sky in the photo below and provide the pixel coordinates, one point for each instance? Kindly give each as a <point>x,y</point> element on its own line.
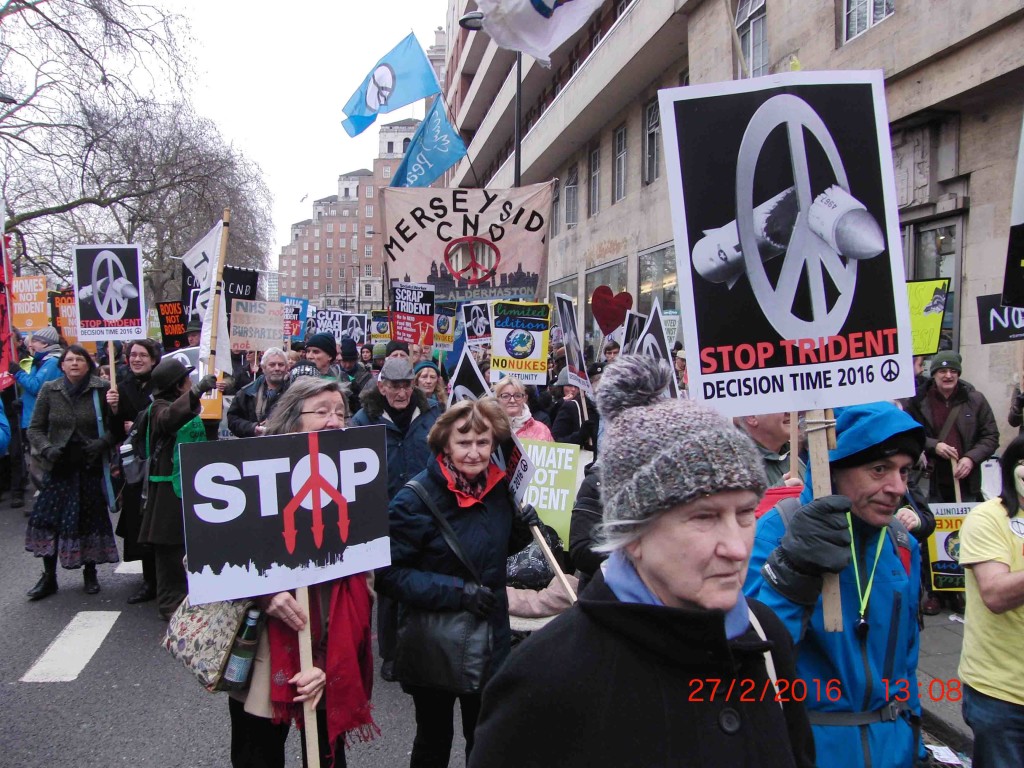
<point>275,83</point>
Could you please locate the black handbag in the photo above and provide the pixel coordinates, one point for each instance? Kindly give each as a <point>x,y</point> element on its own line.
<point>446,650</point>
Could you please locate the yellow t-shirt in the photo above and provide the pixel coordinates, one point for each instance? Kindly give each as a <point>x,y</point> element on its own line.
<point>991,661</point>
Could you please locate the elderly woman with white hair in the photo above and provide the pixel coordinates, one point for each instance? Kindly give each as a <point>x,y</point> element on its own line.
<point>252,406</point>
<point>511,394</point>
<point>662,661</point>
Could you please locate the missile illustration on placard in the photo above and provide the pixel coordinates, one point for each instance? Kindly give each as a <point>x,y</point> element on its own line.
<point>839,219</point>
<point>121,287</point>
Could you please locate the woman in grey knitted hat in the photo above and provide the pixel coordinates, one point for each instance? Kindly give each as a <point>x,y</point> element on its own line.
<point>662,661</point>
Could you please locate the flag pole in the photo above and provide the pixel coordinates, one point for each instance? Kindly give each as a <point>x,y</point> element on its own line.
<point>218,290</point>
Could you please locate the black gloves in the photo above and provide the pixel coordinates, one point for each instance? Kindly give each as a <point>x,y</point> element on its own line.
<point>14,368</point>
<point>204,385</point>
<point>528,516</point>
<point>94,449</point>
<point>478,600</point>
<point>817,541</point>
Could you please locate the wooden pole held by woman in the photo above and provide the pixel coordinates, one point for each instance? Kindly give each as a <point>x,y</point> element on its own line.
<point>538,536</point>
<point>306,662</point>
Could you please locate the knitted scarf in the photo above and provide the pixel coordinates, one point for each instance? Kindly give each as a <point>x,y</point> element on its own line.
<point>468,491</point>
<point>348,663</point>
<point>518,422</point>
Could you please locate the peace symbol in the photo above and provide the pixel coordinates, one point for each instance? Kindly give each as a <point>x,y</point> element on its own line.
<point>478,321</point>
<point>806,252</point>
<point>468,254</point>
<point>890,370</point>
<point>110,303</point>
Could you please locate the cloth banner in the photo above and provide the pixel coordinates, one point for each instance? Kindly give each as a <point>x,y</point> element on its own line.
<point>256,326</point>
<point>29,310</point>
<point>198,271</point>
<point>469,243</point>
<point>108,286</point>
<point>412,313</point>
<point>927,302</point>
<point>172,325</point>
<point>403,76</point>
<point>536,27</point>
<point>519,341</point>
<point>435,147</point>
<point>444,327</point>
<point>276,513</point>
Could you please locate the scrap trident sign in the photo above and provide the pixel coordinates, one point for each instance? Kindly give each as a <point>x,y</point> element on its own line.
<point>247,531</point>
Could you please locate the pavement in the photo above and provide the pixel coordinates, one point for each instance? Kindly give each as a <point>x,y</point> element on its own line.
<point>941,641</point>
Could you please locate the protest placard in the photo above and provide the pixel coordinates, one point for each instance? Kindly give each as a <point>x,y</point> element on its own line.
<point>380,326</point>
<point>552,491</point>
<point>926,300</point>
<point>444,327</point>
<point>108,286</point>
<point>469,243</point>
<point>327,320</point>
<point>1013,275</point>
<point>575,362</point>
<point>787,242</point>
<point>276,513</point>
<point>944,546</point>
<point>652,341</point>
<point>354,327</point>
<point>29,310</point>
<point>998,323</point>
<point>631,331</point>
<point>256,326</point>
<point>64,311</point>
<point>295,313</point>
<point>476,319</point>
<point>172,324</point>
<point>519,341</point>
<point>412,313</point>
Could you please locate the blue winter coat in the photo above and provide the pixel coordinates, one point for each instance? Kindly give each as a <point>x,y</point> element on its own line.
<point>408,454</point>
<point>44,369</point>
<point>889,652</point>
<point>425,573</point>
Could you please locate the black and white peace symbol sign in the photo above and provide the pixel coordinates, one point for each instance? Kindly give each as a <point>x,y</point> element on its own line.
<point>380,87</point>
<point>106,291</point>
<point>890,370</point>
<point>807,252</point>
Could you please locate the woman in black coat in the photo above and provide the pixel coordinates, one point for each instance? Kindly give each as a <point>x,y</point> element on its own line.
<point>662,662</point>
<point>471,492</point>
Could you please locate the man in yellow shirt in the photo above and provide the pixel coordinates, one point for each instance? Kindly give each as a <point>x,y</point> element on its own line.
<point>991,665</point>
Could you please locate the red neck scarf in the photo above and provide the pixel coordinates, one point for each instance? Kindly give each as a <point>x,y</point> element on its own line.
<point>468,492</point>
<point>348,663</point>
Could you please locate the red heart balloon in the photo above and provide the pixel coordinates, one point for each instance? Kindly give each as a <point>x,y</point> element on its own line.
<point>609,309</point>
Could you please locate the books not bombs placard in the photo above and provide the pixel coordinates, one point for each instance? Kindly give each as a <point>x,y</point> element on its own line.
<point>787,242</point>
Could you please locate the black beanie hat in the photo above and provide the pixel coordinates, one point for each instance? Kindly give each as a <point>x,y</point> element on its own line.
<point>324,341</point>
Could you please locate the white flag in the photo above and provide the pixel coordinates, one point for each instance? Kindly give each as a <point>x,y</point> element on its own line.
<point>536,27</point>
<point>201,261</point>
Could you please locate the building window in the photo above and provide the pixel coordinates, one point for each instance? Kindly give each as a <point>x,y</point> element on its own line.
<point>572,197</point>
<point>595,40</point>
<point>330,226</point>
<point>334,211</point>
<point>652,141</point>
<point>752,30</point>
<point>305,258</point>
<point>354,242</point>
<point>343,227</point>
<point>368,230</point>
<point>391,147</point>
<point>619,167</point>
<point>316,259</point>
<point>621,6</point>
<point>316,271</point>
<point>328,273</point>
<point>594,186</point>
<point>369,191</point>
<point>368,270</point>
<point>344,213</point>
<point>330,242</point>
<point>368,287</point>
<point>305,245</point>
<point>305,285</point>
<point>859,15</point>
<point>330,258</point>
<point>932,251</point>
<point>387,172</point>
<point>405,146</point>
<point>316,285</point>
<point>368,251</point>
<point>556,200</point>
<point>305,271</point>
<point>341,259</point>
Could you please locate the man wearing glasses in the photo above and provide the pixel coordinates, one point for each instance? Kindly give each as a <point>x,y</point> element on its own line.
<point>408,416</point>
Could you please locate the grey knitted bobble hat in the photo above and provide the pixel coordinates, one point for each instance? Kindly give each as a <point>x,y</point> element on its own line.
<point>658,452</point>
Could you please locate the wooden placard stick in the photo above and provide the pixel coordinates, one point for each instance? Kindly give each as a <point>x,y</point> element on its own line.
<point>821,436</point>
<point>218,291</point>
<point>956,483</point>
<point>112,363</point>
<point>306,662</point>
<point>550,557</point>
<point>794,445</point>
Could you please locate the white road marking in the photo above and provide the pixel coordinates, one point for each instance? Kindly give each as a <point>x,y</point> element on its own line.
<point>129,566</point>
<point>67,655</point>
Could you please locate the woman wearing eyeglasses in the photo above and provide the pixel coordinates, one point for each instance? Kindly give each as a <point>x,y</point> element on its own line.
<point>512,395</point>
<point>341,679</point>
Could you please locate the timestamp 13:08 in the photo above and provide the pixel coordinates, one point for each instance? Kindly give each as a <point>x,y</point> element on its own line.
<point>934,690</point>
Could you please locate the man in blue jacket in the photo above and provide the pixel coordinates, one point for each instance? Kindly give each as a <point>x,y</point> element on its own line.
<point>408,416</point>
<point>45,348</point>
<point>860,684</point>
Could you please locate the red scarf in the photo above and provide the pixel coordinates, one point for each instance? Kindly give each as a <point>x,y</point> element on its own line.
<point>469,492</point>
<point>349,662</point>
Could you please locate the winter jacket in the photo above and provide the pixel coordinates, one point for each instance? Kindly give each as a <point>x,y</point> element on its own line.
<point>134,395</point>
<point>569,426</point>
<point>408,454</point>
<point>253,405</point>
<point>534,430</point>
<point>976,424</point>
<point>356,381</point>
<point>425,573</point>
<point>587,512</point>
<point>44,369</point>
<point>58,420</point>
<point>615,684</point>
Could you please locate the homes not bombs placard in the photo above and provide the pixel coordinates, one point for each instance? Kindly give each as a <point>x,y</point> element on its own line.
<point>787,242</point>
<point>108,286</point>
<point>282,512</point>
<point>412,313</point>
<point>256,326</point>
<point>469,243</point>
<point>519,341</point>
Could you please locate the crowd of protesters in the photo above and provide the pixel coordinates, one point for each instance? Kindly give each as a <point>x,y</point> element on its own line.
<point>685,575</point>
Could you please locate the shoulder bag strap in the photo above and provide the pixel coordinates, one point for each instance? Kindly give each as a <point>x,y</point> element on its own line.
<point>446,528</point>
<point>108,486</point>
<point>950,421</point>
<point>769,663</point>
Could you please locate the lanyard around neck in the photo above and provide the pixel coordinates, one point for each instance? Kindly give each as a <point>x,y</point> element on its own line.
<point>864,594</point>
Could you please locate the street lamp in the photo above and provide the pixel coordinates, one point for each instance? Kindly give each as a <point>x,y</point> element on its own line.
<point>474,22</point>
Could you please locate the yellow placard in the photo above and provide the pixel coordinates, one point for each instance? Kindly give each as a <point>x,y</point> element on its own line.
<point>29,305</point>
<point>927,300</point>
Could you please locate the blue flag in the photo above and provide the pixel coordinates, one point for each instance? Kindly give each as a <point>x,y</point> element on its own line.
<point>403,76</point>
<point>435,147</point>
